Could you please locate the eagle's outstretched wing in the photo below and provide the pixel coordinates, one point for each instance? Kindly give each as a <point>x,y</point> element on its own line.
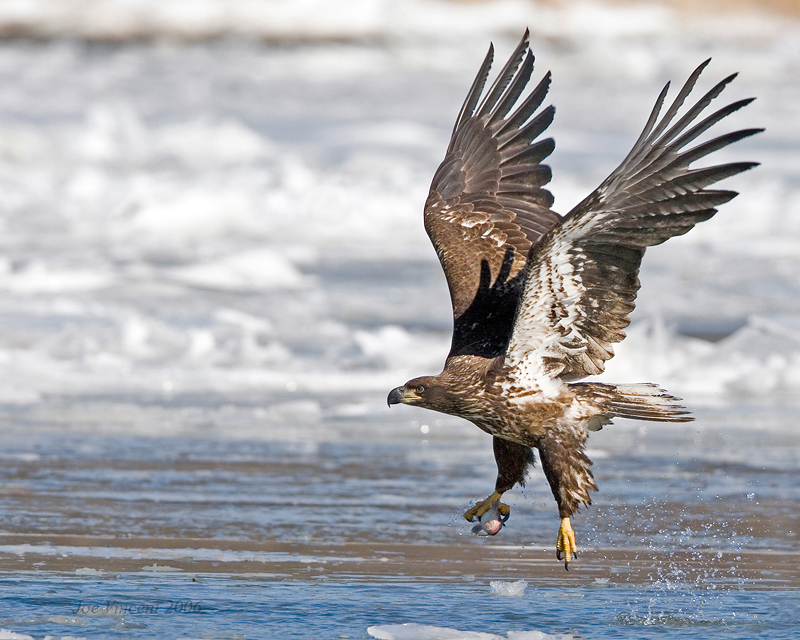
<point>487,205</point>
<point>581,280</point>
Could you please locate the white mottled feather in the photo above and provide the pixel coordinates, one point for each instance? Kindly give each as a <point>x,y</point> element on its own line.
<point>550,304</point>
<point>562,332</point>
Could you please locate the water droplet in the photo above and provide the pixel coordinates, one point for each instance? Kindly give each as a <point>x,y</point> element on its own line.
<point>751,496</point>
<point>424,428</point>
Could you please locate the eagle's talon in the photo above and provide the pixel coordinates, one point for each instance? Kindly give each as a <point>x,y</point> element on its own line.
<point>474,514</point>
<point>566,548</point>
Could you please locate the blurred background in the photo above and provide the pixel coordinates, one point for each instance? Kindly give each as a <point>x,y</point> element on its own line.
<point>211,210</point>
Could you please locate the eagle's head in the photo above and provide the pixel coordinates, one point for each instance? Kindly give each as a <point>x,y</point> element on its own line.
<point>429,392</point>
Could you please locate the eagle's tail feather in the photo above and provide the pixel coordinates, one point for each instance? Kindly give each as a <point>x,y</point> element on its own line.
<point>643,401</point>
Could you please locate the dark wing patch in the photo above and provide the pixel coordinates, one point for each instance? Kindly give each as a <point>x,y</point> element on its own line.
<point>583,277</point>
<point>487,204</point>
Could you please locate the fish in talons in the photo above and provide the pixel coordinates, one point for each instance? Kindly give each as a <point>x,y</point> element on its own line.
<point>490,523</point>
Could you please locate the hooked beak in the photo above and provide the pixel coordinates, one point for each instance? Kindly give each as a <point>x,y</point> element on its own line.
<point>396,396</point>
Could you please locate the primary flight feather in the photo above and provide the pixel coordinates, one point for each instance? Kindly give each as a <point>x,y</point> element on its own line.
<point>539,299</point>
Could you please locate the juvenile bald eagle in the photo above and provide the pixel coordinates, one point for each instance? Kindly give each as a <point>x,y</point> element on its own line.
<point>539,299</point>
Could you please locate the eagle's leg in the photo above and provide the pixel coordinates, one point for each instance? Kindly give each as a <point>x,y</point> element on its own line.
<point>568,471</point>
<point>512,461</point>
<point>566,548</point>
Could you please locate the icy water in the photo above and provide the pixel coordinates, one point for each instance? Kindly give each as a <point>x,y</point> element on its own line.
<point>140,537</point>
<point>213,270</point>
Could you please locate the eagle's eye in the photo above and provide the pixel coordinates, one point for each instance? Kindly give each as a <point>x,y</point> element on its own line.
<point>419,389</point>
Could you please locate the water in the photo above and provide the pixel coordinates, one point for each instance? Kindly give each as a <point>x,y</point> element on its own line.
<point>252,607</point>
<point>104,536</point>
<point>213,269</point>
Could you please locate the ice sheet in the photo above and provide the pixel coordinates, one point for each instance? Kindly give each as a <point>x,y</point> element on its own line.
<point>414,631</point>
<point>236,226</point>
<point>513,589</point>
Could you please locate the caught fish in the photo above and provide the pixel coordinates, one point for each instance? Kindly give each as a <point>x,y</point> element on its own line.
<point>490,523</point>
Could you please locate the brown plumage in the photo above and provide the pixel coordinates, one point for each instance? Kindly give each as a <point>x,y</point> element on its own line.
<point>539,299</point>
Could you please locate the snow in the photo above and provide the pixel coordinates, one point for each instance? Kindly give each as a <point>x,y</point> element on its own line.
<point>250,271</point>
<point>234,219</point>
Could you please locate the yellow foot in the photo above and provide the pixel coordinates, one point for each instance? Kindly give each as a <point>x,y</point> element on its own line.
<point>566,548</point>
<point>482,507</point>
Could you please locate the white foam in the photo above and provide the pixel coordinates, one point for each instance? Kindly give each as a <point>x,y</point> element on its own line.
<point>514,589</point>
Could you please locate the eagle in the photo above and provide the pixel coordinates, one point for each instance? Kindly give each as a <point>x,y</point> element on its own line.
<point>538,298</point>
